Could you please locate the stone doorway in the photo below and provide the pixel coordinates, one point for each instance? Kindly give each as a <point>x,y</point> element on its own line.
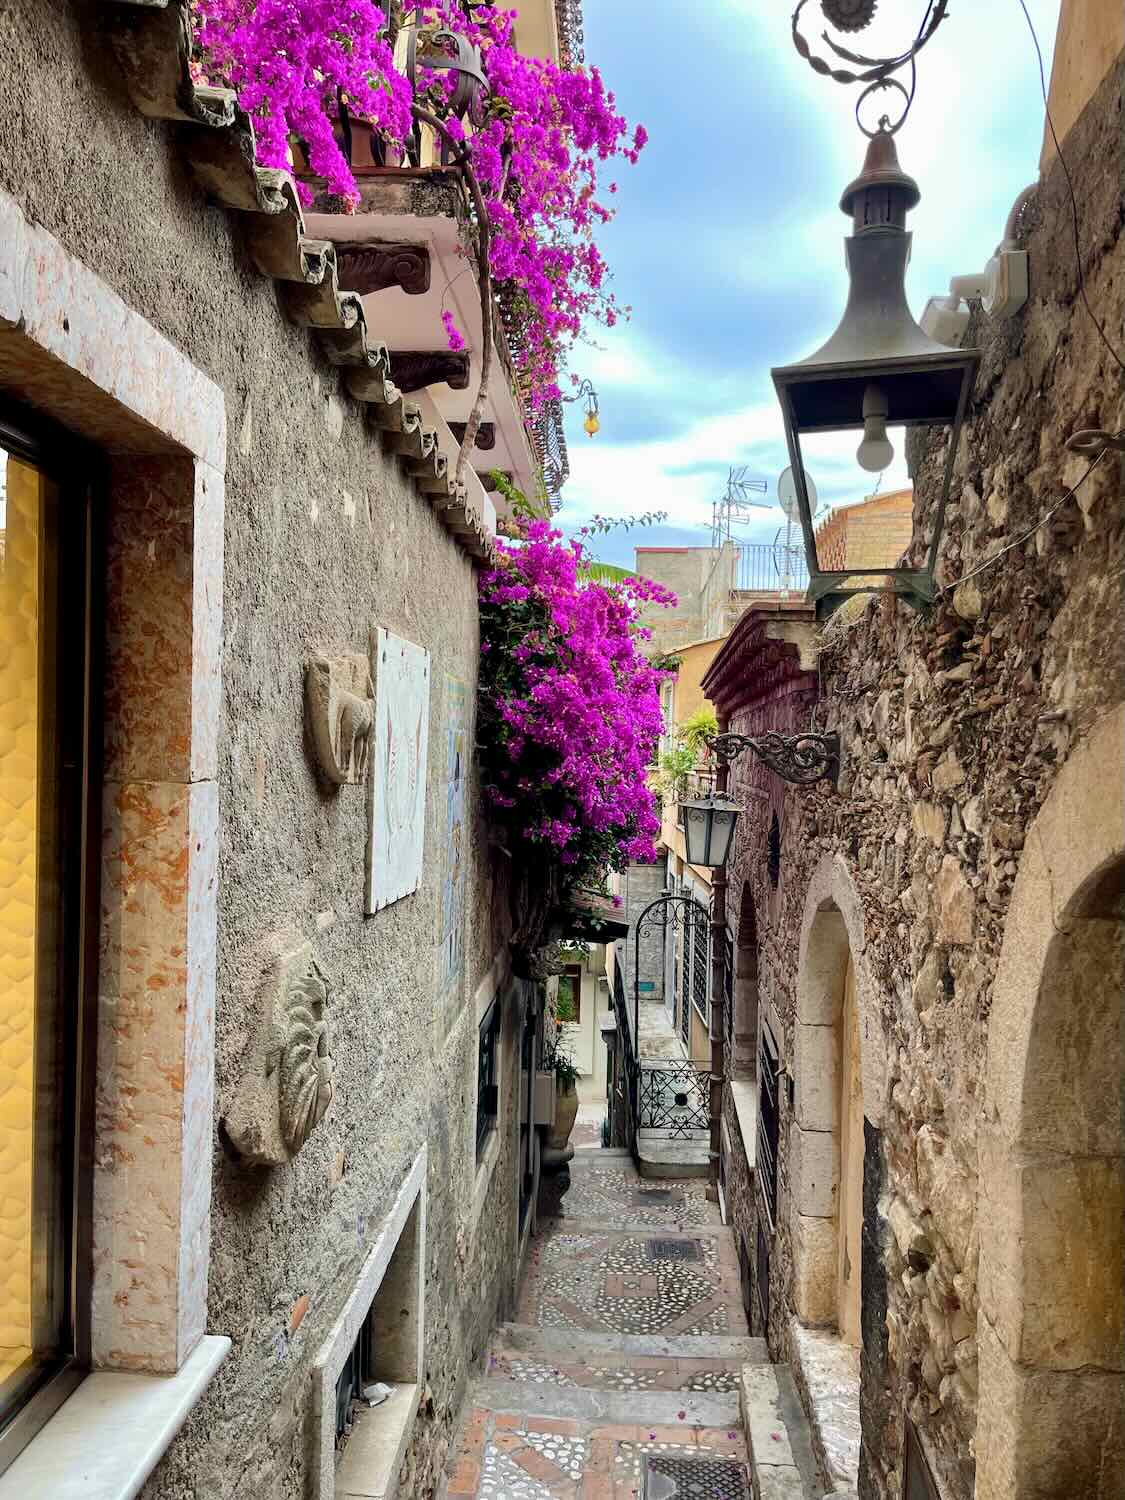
<point>1051,1326</point>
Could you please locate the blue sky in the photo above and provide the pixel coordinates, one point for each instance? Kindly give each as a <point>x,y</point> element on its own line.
<point>728,242</point>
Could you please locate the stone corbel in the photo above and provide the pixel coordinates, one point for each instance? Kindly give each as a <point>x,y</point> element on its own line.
<point>373,266</point>
<point>414,369</point>
<point>288,1085</point>
<point>486,435</point>
<point>339,708</point>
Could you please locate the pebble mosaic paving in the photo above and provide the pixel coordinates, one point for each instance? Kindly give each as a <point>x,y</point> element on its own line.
<point>622,1373</point>
<point>624,1283</point>
<point>636,1259</point>
<point>505,1456</point>
<point>617,1195</point>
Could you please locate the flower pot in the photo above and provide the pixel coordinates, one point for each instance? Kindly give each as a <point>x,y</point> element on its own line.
<point>566,1112</point>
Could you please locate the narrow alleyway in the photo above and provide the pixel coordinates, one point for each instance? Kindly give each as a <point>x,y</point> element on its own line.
<point>621,1377</point>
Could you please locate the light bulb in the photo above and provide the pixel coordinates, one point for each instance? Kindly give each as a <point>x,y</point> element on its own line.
<point>591,424</point>
<point>875,452</point>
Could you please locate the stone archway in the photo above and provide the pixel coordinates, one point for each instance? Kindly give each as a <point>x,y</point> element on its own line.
<point>1051,1321</point>
<point>745,1030</point>
<point>832,962</point>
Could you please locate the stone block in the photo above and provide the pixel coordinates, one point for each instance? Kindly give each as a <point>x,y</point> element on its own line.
<point>955,905</point>
<point>947,1189</point>
<point>1052,1248</point>
<point>1047,1432</point>
<point>815,1245</point>
<point>155,1083</point>
<point>817,1075</point>
<point>929,822</point>
<point>814,1170</point>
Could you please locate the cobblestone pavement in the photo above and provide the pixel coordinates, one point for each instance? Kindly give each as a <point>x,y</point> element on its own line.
<point>626,1353</point>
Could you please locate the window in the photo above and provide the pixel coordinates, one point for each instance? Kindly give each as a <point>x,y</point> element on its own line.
<point>487,1075</point>
<point>768,1122</point>
<point>700,962</point>
<point>773,852</point>
<point>570,993</point>
<point>45,549</point>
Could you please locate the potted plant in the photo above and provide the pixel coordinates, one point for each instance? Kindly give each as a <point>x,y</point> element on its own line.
<point>558,1061</point>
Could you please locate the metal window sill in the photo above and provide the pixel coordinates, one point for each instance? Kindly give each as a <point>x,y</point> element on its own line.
<point>106,1439</point>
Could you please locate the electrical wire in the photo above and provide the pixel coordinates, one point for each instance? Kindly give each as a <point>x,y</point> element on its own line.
<point>1030,532</point>
<point>1070,187</point>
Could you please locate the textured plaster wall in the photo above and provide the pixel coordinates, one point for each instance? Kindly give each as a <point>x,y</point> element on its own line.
<point>324,538</point>
<point>954,727</point>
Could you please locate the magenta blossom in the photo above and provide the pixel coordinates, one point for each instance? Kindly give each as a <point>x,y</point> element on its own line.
<point>542,134</point>
<point>570,708</point>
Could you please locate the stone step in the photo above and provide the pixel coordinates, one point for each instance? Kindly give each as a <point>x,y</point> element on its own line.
<point>660,1156</point>
<point>557,1342</point>
<point>684,1409</point>
<point>777,1435</point>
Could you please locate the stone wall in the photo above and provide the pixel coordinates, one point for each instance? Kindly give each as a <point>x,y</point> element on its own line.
<point>954,726</point>
<point>326,537</point>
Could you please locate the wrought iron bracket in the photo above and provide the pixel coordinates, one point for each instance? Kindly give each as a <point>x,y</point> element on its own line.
<point>803,759</point>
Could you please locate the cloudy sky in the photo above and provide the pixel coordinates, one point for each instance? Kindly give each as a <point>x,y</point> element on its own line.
<point>728,242</point>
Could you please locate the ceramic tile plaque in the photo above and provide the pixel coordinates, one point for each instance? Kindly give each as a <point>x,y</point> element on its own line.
<point>397,777</point>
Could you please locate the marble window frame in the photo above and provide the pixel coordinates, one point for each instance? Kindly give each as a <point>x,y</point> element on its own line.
<point>73,350</point>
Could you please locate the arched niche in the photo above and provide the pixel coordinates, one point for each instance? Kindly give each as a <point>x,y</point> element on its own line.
<point>1051,1210</point>
<point>839,1055</point>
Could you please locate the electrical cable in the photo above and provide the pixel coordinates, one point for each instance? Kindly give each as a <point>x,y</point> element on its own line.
<point>1030,532</point>
<point>1070,187</point>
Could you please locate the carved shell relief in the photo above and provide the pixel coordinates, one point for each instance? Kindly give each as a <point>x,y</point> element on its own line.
<point>339,708</point>
<point>288,1087</point>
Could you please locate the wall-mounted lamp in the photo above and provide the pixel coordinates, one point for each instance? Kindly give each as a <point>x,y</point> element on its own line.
<point>587,392</point>
<point>878,369</point>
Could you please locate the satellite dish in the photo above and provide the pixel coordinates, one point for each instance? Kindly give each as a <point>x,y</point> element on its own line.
<point>787,495</point>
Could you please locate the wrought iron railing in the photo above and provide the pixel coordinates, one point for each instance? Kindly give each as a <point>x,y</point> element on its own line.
<point>628,1052</point>
<point>572,43</point>
<point>763,569</point>
<point>544,426</point>
<point>676,1098</point>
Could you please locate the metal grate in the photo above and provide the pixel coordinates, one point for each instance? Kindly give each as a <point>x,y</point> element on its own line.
<point>673,1250</point>
<point>668,1477</point>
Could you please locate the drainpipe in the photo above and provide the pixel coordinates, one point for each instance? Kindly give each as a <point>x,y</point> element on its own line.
<point>718,998</point>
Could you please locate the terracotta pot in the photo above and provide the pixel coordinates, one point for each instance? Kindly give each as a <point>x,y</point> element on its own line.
<point>566,1112</point>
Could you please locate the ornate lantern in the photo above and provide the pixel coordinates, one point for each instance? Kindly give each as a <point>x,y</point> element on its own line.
<point>709,831</point>
<point>878,370</point>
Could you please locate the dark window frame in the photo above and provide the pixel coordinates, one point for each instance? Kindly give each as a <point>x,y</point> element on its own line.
<point>769,1121</point>
<point>80,475</point>
<point>701,968</point>
<point>488,1075</point>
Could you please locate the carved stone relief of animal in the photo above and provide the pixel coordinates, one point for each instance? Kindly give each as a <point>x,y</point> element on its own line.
<point>288,1085</point>
<point>339,707</point>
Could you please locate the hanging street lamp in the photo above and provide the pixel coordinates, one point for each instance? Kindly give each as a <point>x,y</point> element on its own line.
<point>586,392</point>
<point>709,831</point>
<point>878,370</point>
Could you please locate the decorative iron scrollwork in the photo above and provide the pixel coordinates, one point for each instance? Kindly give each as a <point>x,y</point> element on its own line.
<point>803,759</point>
<point>854,15</point>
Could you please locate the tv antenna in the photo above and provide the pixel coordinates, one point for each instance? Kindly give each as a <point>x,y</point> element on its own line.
<point>735,507</point>
<point>788,560</point>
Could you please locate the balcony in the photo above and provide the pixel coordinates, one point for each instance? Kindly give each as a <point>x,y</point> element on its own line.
<point>409,252</point>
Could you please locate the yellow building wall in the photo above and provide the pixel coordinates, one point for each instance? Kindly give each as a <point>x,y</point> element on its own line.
<point>19,757</point>
<point>694,663</point>
<point>1090,36</point>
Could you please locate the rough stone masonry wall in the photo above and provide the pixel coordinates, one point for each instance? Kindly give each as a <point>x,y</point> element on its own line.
<point>324,538</point>
<point>954,726</point>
